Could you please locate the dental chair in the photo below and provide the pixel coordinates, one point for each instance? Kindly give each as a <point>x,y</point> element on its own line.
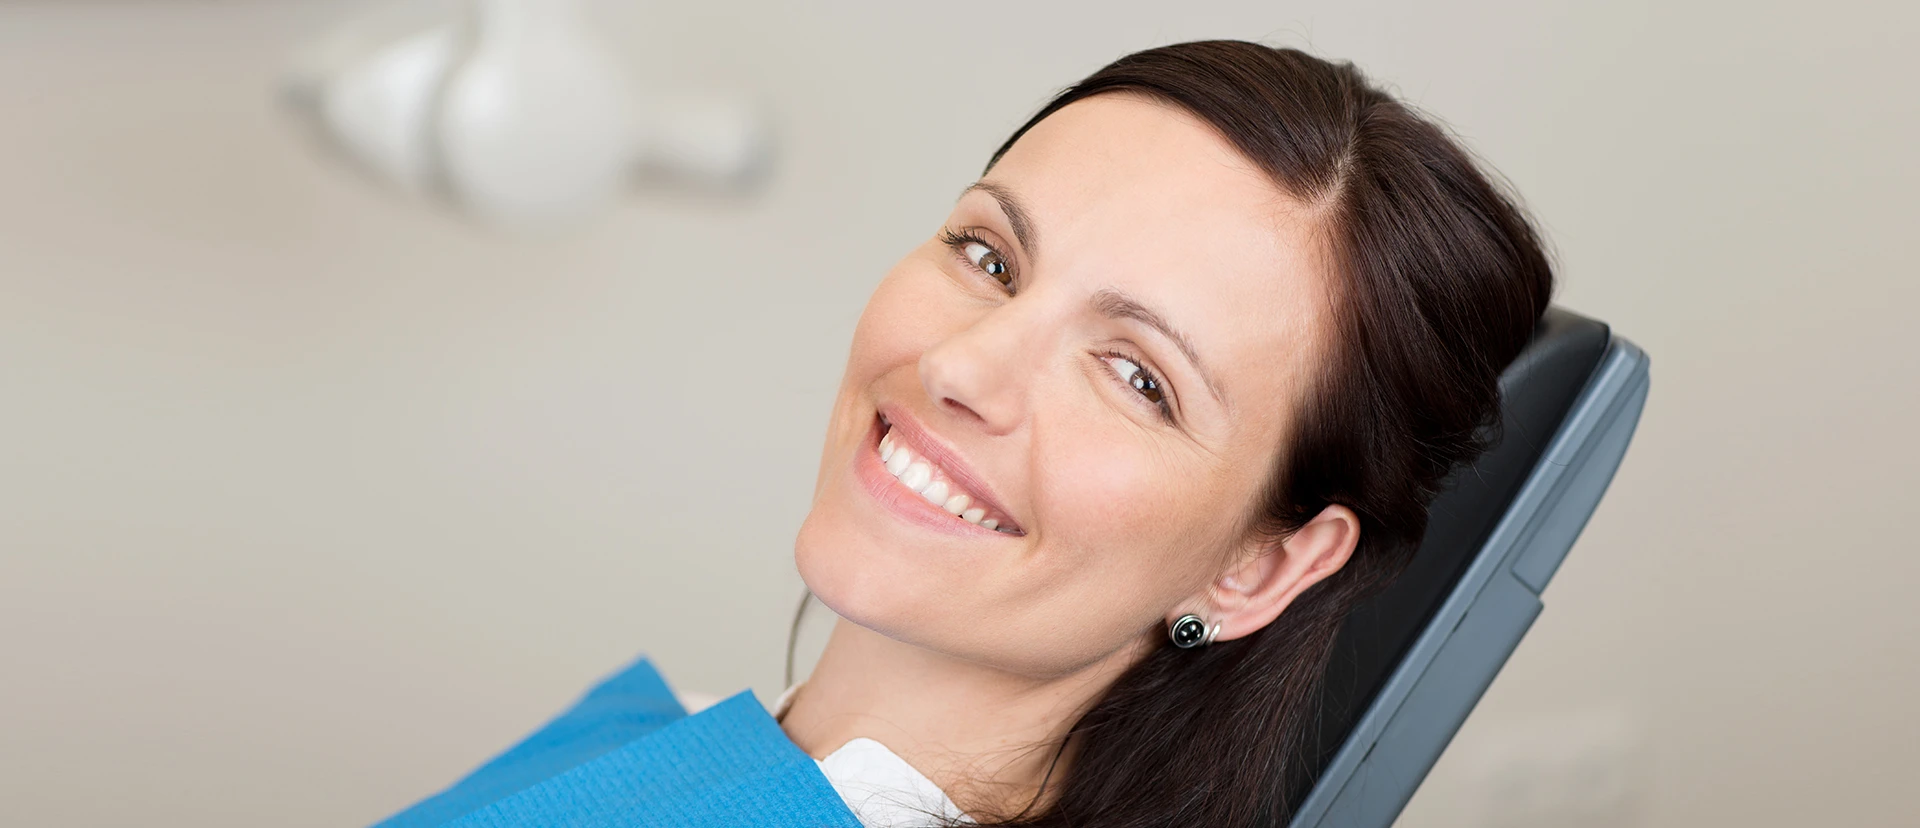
<point>1410,663</point>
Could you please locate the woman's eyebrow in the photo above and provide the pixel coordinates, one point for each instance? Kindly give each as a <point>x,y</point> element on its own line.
<point>1114,304</point>
<point>1017,214</point>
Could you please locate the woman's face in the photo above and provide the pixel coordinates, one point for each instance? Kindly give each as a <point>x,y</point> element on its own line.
<point>1098,357</point>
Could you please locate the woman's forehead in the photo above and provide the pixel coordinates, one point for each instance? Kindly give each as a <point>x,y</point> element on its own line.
<point>1125,155</point>
<point>1138,195</point>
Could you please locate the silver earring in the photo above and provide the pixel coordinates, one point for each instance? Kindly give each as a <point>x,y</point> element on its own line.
<point>1188,631</point>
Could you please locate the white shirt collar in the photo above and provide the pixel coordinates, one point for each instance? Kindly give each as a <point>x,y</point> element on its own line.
<point>881,789</point>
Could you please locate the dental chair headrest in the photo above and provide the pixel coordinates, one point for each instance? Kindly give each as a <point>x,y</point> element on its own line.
<point>1538,390</point>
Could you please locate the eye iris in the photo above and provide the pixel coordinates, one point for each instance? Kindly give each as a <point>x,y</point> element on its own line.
<point>1147,388</point>
<point>1138,379</point>
<point>989,262</point>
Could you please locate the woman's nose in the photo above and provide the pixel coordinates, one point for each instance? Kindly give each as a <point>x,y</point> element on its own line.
<point>981,372</point>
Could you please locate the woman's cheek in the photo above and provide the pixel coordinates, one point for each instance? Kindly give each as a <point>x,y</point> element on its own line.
<point>1106,488</point>
<point>903,317</point>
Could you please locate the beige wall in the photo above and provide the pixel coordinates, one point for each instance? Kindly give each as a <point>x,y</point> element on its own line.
<point>310,497</point>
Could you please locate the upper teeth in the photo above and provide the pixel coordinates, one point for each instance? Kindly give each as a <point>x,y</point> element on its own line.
<point>925,478</point>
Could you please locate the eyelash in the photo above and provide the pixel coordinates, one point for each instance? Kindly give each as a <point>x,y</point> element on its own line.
<point>958,240</point>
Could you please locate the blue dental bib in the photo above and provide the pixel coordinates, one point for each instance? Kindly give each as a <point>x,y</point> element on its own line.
<point>628,756</point>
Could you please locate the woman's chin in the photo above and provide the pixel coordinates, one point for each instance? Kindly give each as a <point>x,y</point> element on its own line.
<point>841,568</point>
<point>872,582</point>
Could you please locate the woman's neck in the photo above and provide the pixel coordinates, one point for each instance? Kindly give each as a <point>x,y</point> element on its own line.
<point>987,737</point>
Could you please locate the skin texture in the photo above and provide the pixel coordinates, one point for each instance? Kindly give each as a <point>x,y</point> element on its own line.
<point>970,653</point>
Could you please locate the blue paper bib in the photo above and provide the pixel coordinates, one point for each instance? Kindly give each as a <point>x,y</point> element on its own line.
<point>628,756</point>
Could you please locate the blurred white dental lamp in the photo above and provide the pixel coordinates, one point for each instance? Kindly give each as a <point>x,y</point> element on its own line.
<point>511,110</point>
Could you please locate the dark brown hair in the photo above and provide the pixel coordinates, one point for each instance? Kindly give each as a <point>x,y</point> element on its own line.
<point>1438,282</point>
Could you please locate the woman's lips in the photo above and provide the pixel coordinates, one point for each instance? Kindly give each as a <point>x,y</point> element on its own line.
<point>906,475</point>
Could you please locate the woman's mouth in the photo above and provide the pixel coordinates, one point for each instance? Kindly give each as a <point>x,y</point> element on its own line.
<point>908,461</point>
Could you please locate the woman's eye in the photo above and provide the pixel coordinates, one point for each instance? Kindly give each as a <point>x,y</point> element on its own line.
<point>1133,375</point>
<point>989,261</point>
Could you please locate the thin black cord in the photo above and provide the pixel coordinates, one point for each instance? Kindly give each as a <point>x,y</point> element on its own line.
<point>793,634</point>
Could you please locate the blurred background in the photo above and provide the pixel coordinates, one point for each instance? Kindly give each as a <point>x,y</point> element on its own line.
<point>315,493</point>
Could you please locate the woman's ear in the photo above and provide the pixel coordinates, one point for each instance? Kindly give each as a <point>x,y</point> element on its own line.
<point>1253,592</point>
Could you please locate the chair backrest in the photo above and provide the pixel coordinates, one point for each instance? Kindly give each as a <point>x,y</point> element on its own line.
<point>1411,662</point>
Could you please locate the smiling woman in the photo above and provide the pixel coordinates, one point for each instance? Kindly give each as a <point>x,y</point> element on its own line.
<point>1192,355</point>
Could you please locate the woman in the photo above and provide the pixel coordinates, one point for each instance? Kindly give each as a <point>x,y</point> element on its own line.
<point>1115,452</point>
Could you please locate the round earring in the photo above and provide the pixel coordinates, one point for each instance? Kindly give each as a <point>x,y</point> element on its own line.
<point>1188,631</point>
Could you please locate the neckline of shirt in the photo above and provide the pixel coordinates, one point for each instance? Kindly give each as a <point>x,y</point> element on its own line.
<point>881,789</point>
